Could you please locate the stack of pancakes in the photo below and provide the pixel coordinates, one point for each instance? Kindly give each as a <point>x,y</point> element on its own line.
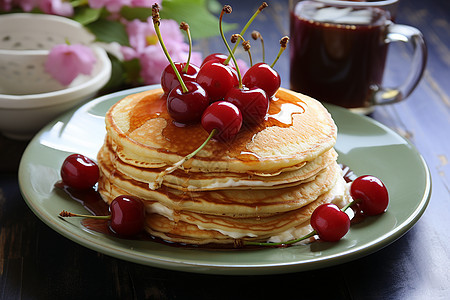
<point>261,186</point>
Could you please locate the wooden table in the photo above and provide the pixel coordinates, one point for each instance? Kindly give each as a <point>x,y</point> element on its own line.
<point>38,263</point>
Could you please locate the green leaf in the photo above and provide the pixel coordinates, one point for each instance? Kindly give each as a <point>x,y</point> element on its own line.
<point>86,15</point>
<point>202,23</point>
<point>117,78</point>
<point>109,31</point>
<point>131,13</point>
<point>124,74</point>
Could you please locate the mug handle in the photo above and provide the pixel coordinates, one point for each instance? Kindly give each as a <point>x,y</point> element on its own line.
<point>406,34</point>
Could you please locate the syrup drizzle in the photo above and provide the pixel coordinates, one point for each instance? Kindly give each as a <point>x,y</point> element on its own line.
<point>184,139</point>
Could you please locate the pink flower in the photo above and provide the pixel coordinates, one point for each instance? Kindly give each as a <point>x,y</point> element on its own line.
<point>113,6</point>
<point>56,7</point>
<point>144,3</point>
<point>27,5</point>
<point>5,5</point>
<point>153,61</point>
<point>243,66</point>
<point>142,34</point>
<point>66,62</point>
<point>145,47</point>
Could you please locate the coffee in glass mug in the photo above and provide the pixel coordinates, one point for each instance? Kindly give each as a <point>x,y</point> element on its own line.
<point>338,51</point>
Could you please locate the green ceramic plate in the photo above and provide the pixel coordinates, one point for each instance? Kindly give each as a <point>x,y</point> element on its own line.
<point>363,144</point>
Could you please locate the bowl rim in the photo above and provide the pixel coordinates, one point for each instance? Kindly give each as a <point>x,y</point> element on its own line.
<point>22,17</point>
<point>63,95</point>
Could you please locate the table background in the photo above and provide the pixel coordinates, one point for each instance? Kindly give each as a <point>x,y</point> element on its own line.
<point>38,263</point>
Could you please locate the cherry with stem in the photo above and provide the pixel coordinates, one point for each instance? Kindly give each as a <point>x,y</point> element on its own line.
<point>368,194</point>
<point>322,211</point>
<point>126,219</point>
<point>184,105</point>
<point>253,101</point>
<point>187,70</point>
<point>264,76</point>
<point>222,120</point>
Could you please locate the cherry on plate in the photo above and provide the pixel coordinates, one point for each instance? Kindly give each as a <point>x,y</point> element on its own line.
<point>330,223</point>
<point>371,194</point>
<point>127,215</point>
<point>79,172</point>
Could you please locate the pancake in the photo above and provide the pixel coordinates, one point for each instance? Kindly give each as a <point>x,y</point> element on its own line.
<point>261,186</point>
<point>198,181</point>
<point>205,229</point>
<point>297,129</point>
<point>232,202</point>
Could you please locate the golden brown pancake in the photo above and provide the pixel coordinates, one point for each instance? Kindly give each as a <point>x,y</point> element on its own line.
<point>232,202</point>
<point>297,129</point>
<point>187,180</point>
<point>262,185</point>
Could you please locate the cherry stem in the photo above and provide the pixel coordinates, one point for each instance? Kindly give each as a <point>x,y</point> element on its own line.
<point>256,35</point>
<point>283,45</point>
<point>227,9</point>
<point>260,8</point>
<point>309,235</point>
<point>159,179</point>
<point>240,243</point>
<point>66,214</point>
<point>245,44</point>
<point>156,22</point>
<point>184,26</point>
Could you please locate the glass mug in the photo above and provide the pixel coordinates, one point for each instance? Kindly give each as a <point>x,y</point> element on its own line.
<point>338,51</point>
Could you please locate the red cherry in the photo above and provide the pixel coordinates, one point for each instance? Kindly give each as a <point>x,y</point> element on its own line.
<point>127,215</point>
<point>223,116</point>
<point>216,78</point>
<point>217,57</point>
<point>330,223</point>
<point>263,76</point>
<point>79,172</point>
<point>187,107</point>
<point>169,80</point>
<point>253,103</point>
<point>371,193</point>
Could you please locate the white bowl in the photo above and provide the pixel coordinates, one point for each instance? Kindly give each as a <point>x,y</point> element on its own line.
<point>25,41</point>
<point>23,113</point>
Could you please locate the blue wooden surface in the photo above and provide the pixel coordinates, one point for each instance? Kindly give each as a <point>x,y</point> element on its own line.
<point>38,263</point>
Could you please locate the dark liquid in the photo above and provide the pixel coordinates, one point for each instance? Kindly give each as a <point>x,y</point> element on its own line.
<point>335,63</point>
